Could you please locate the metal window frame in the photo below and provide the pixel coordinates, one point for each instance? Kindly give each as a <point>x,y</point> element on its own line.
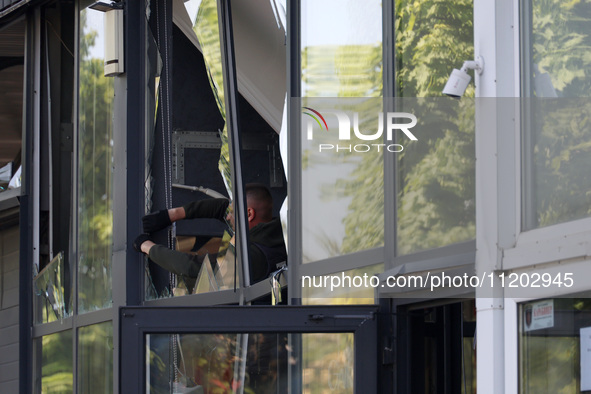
<point>136,322</point>
<point>386,254</point>
<point>294,144</point>
<point>128,158</point>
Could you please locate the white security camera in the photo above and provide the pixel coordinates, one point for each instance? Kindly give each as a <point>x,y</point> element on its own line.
<point>459,79</point>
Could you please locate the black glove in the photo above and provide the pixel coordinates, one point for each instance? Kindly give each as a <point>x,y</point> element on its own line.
<point>156,221</point>
<point>137,244</point>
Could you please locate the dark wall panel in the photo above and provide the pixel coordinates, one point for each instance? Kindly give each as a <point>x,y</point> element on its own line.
<point>9,311</point>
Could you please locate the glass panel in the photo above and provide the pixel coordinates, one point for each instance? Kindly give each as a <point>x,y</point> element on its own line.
<point>344,60</point>
<point>95,161</point>
<point>56,363</point>
<point>550,345</point>
<point>53,300</point>
<point>95,358</point>
<point>206,26</point>
<point>342,176</point>
<point>328,362</point>
<point>432,37</point>
<point>436,176</point>
<point>555,66</point>
<point>435,182</point>
<point>249,363</point>
<point>557,157</point>
<point>217,363</point>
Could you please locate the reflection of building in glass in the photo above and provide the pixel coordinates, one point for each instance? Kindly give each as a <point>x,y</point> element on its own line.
<point>453,262</point>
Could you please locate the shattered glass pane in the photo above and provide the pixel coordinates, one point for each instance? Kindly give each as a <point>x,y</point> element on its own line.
<point>206,27</point>
<point>53,297</point>
<point>218,272</point>
<point>153,72</point>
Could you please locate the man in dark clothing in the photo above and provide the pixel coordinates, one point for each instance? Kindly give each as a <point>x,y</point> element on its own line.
<point>266,244</point>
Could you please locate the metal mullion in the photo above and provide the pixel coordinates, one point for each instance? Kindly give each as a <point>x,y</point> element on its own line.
<point>41,330</point>
<point>294,170</point>
<point>29,205</point>
<point>365,359</point>
<point>135,134</point>
<point>95,317</point>
<point>344,263</point>
<point>205,299</point>
<point>294,186</point>
<point>75,204</point>
<point>390,162</point>
<point>234,137</point>
<point>448,253</point>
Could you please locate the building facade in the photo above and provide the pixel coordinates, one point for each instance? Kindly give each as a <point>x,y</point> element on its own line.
<point>445,252</point>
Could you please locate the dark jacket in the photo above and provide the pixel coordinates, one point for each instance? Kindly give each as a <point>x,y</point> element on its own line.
<point>266,244</point>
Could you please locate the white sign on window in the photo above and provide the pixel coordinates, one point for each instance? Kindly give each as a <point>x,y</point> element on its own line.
<point>585,358</point>
<point>538,315</point>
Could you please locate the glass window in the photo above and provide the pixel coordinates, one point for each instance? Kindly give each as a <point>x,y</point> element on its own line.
<point>211,363</point>
<point>555,77</point>
<point>95,164</point>
<point>250,363</point>
<point>200,150</point>
<point>342,180</point>
<point>200,258</point>
<point>552,334</point>
<point>328,362</point>
<point>436,174</point>
<point>343,59</point>
<point>342,189</point>
<point>56,363</point>
<point>95,358</point>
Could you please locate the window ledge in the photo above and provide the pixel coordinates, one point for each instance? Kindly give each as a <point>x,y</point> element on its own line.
<point>563,241</point>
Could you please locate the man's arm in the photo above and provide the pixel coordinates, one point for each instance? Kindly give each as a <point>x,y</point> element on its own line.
<point>214,208</point>
<point>211,208</point>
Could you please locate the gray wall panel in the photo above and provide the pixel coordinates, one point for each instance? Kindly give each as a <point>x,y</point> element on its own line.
<point>8,336</point>
<point>9,353</point>
<point>8,317</point>
<point>10,386</point>
<point>8,371</point>
<point>9,311</point>
<point>10,298</point>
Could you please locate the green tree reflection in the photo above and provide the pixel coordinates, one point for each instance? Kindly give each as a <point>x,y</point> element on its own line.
<point>435,176</point>
<point>95,160</point>
<point>56,363</point>
<point>560,38</point>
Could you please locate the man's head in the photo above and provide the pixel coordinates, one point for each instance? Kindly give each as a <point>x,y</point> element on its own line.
<point>259,204</point>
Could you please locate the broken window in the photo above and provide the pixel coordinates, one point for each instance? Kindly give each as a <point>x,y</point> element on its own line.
<point>191,158</point>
